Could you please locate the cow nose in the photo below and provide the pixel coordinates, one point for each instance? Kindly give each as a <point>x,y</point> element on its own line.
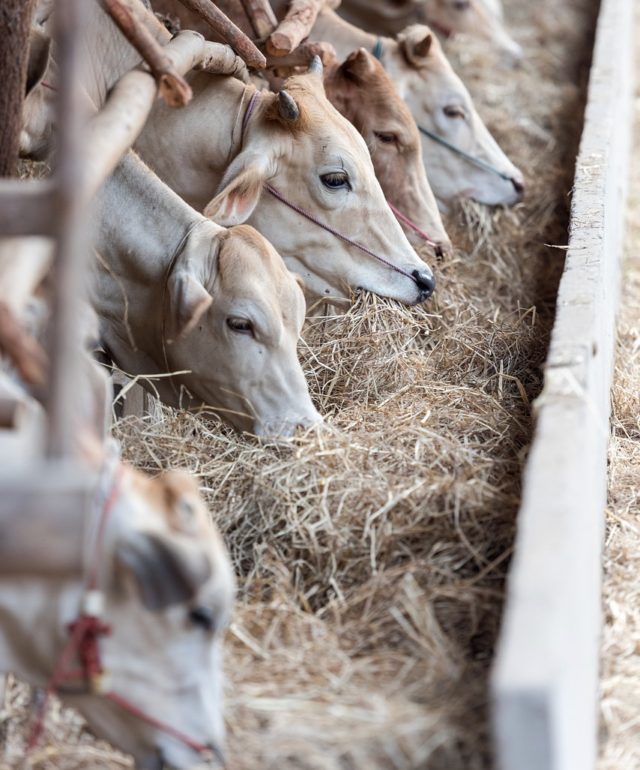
<point>426,282</point>
<point>217,755</point>
<point>518,186</point>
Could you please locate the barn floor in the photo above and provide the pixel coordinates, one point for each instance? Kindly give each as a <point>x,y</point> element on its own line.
<point>620,707</point>
<point>372,556</point>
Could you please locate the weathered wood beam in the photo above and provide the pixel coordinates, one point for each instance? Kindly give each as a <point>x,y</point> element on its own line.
<point>43,518</point>
<point>27,207</point>
<point>70,257</point>
<point>303,54</point>
<point>15,19</point>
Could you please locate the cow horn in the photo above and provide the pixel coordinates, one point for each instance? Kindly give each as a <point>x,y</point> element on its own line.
<point>315,66</point>
<point>287,107</point>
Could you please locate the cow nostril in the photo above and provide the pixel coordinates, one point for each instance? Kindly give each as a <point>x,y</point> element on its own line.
<point>518,186</point>
<point>426,282</point>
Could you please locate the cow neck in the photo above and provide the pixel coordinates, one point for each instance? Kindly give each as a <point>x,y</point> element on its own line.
<point>136,206</point>
<point>344,37</point>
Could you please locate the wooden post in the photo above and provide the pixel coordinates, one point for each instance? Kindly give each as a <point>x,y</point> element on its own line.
<point>295,26</point>
<point>15,20</point>
<point>70,260</point>
<point>224,27</point>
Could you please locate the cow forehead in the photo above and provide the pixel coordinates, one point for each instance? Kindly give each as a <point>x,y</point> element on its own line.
<point>326,130</point>
<point>251,269</point>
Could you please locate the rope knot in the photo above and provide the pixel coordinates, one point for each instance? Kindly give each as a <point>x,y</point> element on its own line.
<point>86,631</point>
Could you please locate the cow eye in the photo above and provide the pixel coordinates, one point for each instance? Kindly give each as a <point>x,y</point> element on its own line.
<point>385,137</point>
<point>336,180</point>
<point>202,617</point>
<point>240,325</point>
<point>462,5</point>
<point>453,111</point>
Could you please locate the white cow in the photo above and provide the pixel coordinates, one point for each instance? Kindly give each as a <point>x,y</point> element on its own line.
<point>231,145</point>
<point>140,570</point>
<point>481,18</point>
<point>176,292</point>
<point>441,106</point>
<point>165,591</point>
<point>295,142</point>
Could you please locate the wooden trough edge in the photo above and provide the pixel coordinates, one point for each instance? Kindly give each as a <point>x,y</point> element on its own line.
<point>544,682</point>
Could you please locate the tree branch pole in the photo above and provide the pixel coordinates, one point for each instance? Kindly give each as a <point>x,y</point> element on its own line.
<point>224,27</point>
<point>129,17</point>
<point>295,26</point>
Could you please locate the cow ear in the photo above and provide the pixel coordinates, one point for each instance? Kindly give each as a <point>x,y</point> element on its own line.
<point>188,301</point>
<point>358,66</point>
<point>168,569</point>
<point>416,44</point>
<point>240,191</point>
<point>39,58</point>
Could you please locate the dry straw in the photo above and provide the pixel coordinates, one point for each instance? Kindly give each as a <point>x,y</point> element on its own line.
<point>620,706</point>
<point>372,553</point>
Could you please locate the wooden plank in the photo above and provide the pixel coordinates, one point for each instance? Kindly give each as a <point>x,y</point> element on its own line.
<point>44,511</point>
<point>545,676</point>
<point>27,207</point>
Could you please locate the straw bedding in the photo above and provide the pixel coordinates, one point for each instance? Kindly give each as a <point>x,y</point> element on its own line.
<point>372,554</point>
<point>621,600</point>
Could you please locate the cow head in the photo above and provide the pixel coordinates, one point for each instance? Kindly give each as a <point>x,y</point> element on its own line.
<point>362,91</point>
<point>168,594</point>
<point>298,142</point>
<point>441,104</point>
<point>482,18</point>
<point>234,319</point>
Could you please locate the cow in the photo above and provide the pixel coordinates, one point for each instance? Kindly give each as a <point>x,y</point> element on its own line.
<point>216,305</point>
<point>298,145</point>
<point>442,108</point>
<point>176,292</point>
<point>362,91</point>
<point>294,168</point>
<point>115,588</point>
<point>164,594</point>
<point>480,18</point>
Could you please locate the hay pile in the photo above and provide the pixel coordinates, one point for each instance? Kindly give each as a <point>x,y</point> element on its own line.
<point>621,601</point>
<point>372,555</point>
